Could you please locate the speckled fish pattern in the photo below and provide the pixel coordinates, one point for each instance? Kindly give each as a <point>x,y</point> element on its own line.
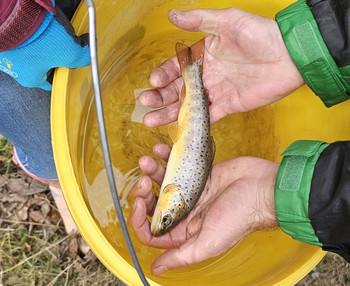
<point>192,154</point>
<point>191,159</point>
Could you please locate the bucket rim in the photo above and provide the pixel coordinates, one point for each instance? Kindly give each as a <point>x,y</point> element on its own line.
<point>82,217</point>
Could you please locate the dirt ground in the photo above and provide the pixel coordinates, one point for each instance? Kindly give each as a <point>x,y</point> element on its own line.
<point>35,250</point>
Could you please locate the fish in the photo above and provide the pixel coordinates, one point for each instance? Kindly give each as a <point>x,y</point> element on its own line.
<point>192,155</point>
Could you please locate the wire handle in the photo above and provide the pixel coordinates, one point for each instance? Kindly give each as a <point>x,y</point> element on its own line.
<point>103,136</point>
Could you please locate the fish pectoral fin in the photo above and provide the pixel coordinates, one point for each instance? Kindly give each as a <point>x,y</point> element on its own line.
<point>174,130</point>
<point>170,187</point>
<point>213,148</point>
<point>182,94</point>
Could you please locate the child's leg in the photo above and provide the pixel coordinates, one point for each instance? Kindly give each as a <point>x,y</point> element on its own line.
<point>25,121</point>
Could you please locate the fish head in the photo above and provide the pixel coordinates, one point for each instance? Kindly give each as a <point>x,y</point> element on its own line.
<point>170,209</point>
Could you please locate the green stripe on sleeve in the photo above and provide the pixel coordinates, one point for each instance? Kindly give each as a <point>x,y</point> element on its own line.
<point>310,54</point>
<point>292,189</point>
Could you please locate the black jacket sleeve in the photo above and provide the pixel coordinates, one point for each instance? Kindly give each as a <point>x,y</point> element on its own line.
<point>329,200</point>
<point>329,205</point>
<point>333,21</point>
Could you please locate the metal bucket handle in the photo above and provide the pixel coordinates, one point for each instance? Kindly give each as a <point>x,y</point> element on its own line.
<point>103,137</point>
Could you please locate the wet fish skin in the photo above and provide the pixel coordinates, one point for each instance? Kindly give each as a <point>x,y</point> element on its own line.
<point>192,154</point>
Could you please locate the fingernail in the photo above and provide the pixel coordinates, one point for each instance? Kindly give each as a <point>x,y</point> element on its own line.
<point>173,14</point>
<point>159,270</point>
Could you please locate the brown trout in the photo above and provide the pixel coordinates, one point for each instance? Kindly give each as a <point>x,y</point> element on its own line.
<point>192,154</point>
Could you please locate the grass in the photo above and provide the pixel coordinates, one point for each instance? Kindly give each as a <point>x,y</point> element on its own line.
<point>38,260</point>
<point>6,152</point>
<point>38,254</point>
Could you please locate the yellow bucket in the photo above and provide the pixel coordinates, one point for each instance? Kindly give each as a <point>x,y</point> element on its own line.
<point>134,37</point>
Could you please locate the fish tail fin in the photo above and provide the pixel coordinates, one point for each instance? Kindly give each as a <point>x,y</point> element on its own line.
<point>187,55</point>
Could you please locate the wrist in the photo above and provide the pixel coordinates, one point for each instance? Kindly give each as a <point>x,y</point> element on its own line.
<point>292,71</point>
<point>266,216</point>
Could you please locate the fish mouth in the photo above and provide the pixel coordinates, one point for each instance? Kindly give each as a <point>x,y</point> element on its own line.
<point>168,212</point>
<point>156,225</point>
<point>157,232</point>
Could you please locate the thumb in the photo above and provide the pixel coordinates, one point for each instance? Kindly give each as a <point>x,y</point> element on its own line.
<point>175,258</point>
<point>195,249</point>
<point>199,20</point>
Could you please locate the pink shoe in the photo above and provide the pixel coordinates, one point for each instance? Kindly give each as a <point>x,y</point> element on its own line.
<point>56,193</point>
<point>18,163</point>
<point>63,209</point>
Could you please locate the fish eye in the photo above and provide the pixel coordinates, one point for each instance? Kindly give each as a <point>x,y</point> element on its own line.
<point>167,220</point>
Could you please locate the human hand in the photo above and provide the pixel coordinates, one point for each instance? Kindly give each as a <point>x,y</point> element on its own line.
<point>246,65</point>
<point>53,44</point>
<point>237,200</point>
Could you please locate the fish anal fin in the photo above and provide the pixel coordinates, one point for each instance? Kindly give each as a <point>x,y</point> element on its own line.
<point>174,131</point>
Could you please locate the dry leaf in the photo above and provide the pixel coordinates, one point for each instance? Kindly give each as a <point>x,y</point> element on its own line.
<point>25,185</point>
<point>37,216</point>
<point>22,214</point>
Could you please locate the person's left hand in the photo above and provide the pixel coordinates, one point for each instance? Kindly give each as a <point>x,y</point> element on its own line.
<point>237,200</point>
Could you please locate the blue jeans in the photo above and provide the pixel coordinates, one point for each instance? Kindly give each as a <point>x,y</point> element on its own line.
<point>25,121</point>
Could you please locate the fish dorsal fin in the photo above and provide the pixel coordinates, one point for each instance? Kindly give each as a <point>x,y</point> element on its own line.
<point>174,130</point>
<point>213,148</point>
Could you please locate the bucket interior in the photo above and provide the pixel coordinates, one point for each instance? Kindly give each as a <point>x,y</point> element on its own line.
<point>133,38</point>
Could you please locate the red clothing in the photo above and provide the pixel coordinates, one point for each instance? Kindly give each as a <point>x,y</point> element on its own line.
<point>19,19</point>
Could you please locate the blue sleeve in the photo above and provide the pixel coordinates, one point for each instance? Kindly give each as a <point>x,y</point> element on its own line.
<point>54,44</point>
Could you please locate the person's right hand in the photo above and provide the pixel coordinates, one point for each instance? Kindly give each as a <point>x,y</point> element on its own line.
<point>246,65</point>
<point>237,200</point>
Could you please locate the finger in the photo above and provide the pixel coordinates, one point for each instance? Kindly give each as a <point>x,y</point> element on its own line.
<point>162,151</point>
<point>163,96</point>
<point>141,226</point>
<point>199,20</point>
<point>152,168</point>
<point>194,250</point>
<point>143,189</point>
<point>216,113</point>
<point>165,73</point>
<point>195,223</point>
<point>139,222</point>
<point>162,116</point>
